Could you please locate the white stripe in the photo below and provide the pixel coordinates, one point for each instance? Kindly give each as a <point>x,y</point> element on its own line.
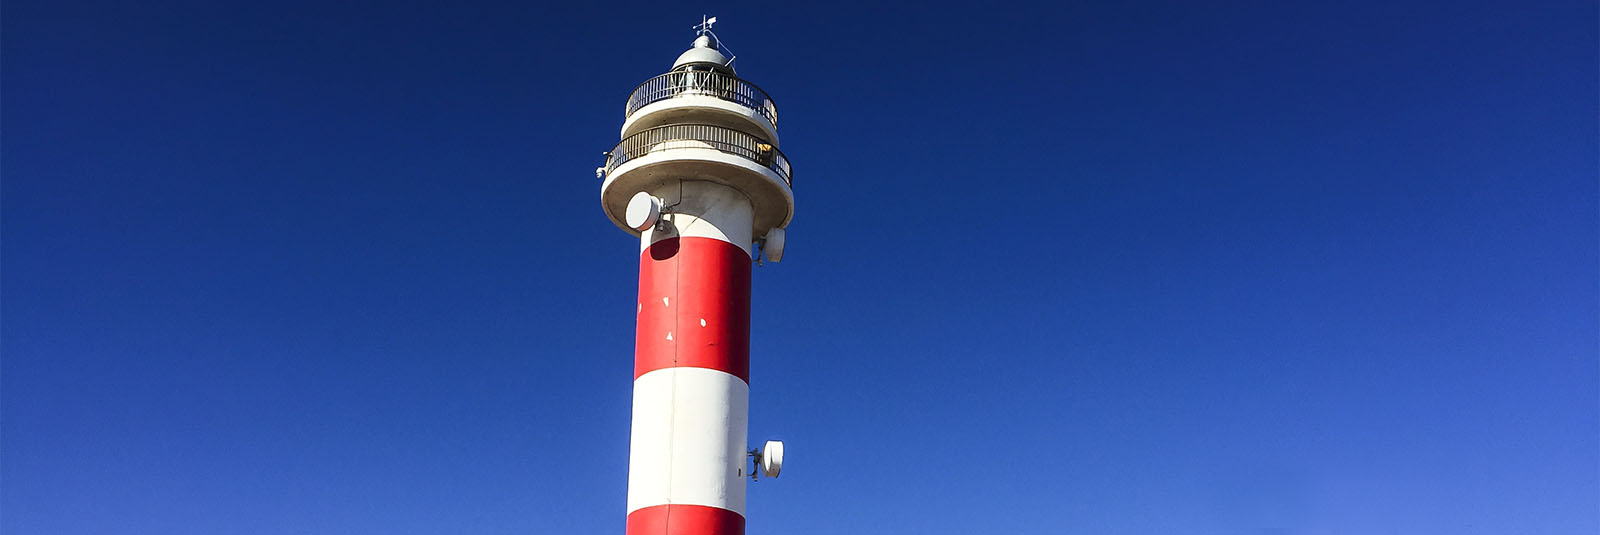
<point>706,210</point>
<point>688,443</point>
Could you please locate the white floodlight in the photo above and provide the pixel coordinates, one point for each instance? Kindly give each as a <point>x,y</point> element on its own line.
<point>643,211</point>
<point>772,458</point>
<point>772,245</point>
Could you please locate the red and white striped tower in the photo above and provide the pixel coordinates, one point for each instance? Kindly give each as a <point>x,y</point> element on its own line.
<point>699,178</point>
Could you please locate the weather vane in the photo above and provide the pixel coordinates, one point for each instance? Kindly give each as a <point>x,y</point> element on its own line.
<point>705,24</point>
<point>710,38</point>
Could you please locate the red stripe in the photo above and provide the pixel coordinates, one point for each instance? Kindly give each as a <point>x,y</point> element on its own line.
<point>685,520</point>
<point>701,279</point>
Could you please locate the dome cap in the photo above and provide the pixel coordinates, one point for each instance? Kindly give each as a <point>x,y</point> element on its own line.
<point>704,53</point>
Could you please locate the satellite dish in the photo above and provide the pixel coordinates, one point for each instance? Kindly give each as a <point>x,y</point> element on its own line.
<point>772,458</point>
<point>643,211</point>
<point>772,246</point>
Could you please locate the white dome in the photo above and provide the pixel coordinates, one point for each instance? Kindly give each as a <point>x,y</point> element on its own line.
<point>702,56</point>
<point>703,53</point>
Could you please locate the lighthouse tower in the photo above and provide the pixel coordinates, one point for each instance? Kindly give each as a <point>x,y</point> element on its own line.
<point>698,177</point>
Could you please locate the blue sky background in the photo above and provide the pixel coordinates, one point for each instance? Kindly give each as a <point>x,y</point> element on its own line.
<point>1112,268</point>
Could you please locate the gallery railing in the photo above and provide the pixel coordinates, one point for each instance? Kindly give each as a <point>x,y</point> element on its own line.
<point>701,136</point>
<point>705,83</point>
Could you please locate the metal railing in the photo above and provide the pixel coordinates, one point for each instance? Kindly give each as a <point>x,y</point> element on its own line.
<point>705,83</point>
<point>701,136</point>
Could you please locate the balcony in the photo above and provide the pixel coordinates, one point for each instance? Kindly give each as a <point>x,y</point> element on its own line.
<point>704,83</point>
<point>656,157</point>
<point>702,136</point>
<point>701,97</point>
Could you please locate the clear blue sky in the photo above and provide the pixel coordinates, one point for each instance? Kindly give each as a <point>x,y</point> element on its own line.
<point>1115,268</point>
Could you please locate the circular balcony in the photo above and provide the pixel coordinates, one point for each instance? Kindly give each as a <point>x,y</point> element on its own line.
<point>663,155</point>
<point>680,96</point>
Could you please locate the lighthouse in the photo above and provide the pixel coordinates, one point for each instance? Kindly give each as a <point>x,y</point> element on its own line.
<point>699,179</point>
